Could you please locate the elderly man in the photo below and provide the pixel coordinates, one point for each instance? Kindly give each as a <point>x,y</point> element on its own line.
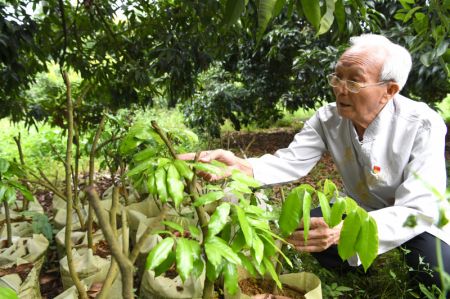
<point>379,141</point>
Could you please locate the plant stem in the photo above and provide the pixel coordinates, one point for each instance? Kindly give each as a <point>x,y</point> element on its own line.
<point>90,218</point>
<point>113,210</point>
<point>18,142</point>
<point>76,199</point>
<point>125,235</point>
<point>68,240</point>
<point>279,267</point>
<point>8,223</point>
<point>125,265</point>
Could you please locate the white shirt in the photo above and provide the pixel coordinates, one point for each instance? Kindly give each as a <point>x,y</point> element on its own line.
<point>406,138</point>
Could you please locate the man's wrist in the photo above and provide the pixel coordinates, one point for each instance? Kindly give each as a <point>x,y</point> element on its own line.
<point>244,166</point>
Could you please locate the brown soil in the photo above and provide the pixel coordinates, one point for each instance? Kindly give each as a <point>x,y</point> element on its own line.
<point>22,270</point>
<point>252,287</point>
<point>102,249</point>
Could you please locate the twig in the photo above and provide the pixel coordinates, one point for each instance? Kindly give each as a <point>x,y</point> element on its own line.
<point>19,148</point>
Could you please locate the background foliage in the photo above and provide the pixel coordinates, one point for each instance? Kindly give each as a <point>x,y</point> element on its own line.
<point>242,60</point>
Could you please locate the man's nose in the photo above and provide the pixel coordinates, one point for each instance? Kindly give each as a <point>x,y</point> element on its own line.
<point>341,88</point>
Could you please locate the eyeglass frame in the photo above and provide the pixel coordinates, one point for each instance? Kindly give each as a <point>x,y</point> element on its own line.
<point>359,85</point>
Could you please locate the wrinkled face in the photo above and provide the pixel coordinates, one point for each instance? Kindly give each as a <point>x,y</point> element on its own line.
<point>362,66</point>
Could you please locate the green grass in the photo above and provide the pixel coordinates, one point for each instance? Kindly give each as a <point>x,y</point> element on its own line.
<point>40,148</point>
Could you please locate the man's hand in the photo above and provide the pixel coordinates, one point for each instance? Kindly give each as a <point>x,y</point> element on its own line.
<point>226,157</point>
<point>320,237</point>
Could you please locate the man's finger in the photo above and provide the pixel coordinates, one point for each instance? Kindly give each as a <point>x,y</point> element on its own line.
<point>186,157</point>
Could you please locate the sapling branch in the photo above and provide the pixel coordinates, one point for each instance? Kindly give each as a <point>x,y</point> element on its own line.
<point>125,265</point>
<point>68,240</point>
<point>8,223</point>
<point>17,140</point>
<point>113,210</point>
<point>92,153</point>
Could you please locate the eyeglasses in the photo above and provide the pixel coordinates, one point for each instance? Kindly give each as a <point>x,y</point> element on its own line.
<point>350,85</point>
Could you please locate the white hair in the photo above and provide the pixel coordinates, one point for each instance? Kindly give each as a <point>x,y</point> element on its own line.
<point>398,62</point>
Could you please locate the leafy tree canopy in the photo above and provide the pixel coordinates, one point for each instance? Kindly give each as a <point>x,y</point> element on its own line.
<point>242,60</point>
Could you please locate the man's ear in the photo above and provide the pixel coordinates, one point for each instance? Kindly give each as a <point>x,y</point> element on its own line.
<point>392,89</point>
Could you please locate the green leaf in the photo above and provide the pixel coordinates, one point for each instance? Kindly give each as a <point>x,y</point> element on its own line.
<point>327,19</point>
<point>186,251</point>
<point>442,48</point>
<point>159,253</point>
<point>161,187</point>
<point>10,195</point>
<point>140,167</point>
<point>218,219</point>
<point>426,58</point>
<point>209,198</point>
<point>208,168</point>
<point>291,212</point>
<point>214,256</point>
<point>174,226</point>
<point>329,189</point>
<point>230,275</point>
<point>166,264</point>
<point>25,192</point>
<point>258,248</point>
<point>175,186</point>
<point>350,205</point>
<point>306,214</point>
<point>151,184</point>
<point>244,179</point>
<point>337,210</point>
<point>311,9</point>
<point>225,234</point>
<point>411,13</point>
<point>245,226</point>
<point>325,207</point>
<point>4,165</point>
<point>367,242</point>
<point>195,232</point>
<point>128,144</point>
<point>278,8</point>
<point>265,10</point>
<point>221,247</point>
<point>233,11</point>
<point>213,272</point>
<point>349,235</point>
<point>274,246</point>
<point>240,187</point>
<point>145,154</point>
<point>183,169</point>
<point>247,264</point>
<point>238,242</point>
<point>339,12</point>
<point>271,269</point>
<point>3,189</point>
<point>198,268</point>
<point>7,293</point>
